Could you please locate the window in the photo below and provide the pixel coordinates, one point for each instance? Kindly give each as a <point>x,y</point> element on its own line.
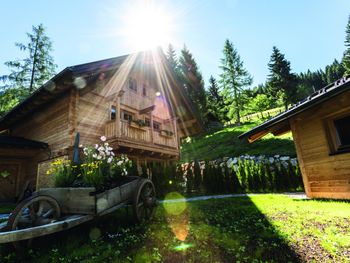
<point>147,122</point>
<point>127,116</point>
<point>144,90</point>
<point>338,132</point>
<point>342,127</point>
<point>132,84</point>
<point>156,126</point>
<point>113,112</point>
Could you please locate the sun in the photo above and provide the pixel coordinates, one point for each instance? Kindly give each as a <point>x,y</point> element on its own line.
<point>146,25</point>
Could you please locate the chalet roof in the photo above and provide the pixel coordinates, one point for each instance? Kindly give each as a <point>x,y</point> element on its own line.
<point>314,99</point>
<point>64,81</point>
<point>20,142</point>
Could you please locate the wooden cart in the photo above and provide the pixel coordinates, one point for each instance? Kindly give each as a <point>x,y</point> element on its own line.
<point>51,210</point>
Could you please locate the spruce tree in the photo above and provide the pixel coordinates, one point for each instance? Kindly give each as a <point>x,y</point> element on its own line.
<point>346,57</point>
<point>28,74</point>
<point>233,78</point>
<point>280,80</point>
<point>214,101</point>
<point>193,81</point>
<point>38,67</point>
<point>172,59</point>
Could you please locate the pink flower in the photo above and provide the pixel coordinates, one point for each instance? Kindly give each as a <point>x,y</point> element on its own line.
<point>103,138</point>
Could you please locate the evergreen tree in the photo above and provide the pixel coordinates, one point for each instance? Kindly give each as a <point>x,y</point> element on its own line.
<point>214,102</point>
<point>193,81</point>
<point>233,78</point>
<point>280,80</point>
<point>346,57</point>
<point>172,58</point>
<point>28,74</point>
<point>333,72</point>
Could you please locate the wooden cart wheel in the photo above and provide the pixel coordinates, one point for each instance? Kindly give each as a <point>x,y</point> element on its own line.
<point>33,211</point>
<point>144,201</point>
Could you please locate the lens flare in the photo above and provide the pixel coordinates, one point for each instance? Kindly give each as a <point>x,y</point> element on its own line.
<point>177,215</point>
<point>175,203</point>
<point>183,247</point>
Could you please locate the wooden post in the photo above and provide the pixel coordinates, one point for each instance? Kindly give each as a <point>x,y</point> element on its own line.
<point>175,133</point>
<point>151,124</point>
<point>118,114</point>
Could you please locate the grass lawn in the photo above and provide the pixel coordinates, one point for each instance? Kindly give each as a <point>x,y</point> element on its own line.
<point>225,143</point>
<point>272,228</point>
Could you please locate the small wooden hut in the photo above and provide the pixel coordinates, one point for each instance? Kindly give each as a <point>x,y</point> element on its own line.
<point>320,126</point>
<point>134,100</point>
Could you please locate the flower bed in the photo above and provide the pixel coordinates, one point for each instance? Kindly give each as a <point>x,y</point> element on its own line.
<point>100,168</point>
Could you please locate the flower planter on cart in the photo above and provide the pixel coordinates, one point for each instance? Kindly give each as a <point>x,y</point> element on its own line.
<point>51,210</point>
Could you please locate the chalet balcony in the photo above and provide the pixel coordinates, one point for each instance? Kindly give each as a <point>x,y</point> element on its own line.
<point>131,131</point>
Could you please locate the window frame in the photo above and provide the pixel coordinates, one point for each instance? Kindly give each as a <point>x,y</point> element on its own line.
<point>144,90</point>
<point>335,146</point>
<point>125,112</point>
<point>132,84</point>
<point>157,123</point>
<point>113,113</point>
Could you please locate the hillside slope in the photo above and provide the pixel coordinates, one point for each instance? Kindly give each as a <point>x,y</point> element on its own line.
<point>225,143</point>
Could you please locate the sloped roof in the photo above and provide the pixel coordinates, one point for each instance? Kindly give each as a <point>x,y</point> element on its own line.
<point>314,99</point>
<point>64,81</point>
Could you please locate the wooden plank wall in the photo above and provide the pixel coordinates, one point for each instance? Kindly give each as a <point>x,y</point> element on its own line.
<point>93,113</point>
<point>49,125</point>
<point>324,175</point>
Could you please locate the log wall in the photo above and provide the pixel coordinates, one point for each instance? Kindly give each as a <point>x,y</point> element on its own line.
<point>325,175</point>
<point>49,125</point>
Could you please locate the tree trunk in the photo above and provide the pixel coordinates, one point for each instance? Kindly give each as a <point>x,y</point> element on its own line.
<point>238,117</point>
<point>33,67</point>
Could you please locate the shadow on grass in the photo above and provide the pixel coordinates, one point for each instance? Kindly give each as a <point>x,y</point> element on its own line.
<point>236,230</point>
<point>217,230</point>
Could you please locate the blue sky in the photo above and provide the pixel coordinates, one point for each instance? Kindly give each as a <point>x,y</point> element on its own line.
<point>310,33</point>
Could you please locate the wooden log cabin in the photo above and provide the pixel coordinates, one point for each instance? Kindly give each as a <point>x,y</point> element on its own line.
<point>133,100</point>
<point>320,125</point>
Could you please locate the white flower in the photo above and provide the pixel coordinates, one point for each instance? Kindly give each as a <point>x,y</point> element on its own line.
<point>110,159</point>
<point>94,155</point>
<point>119,163</point>
<point>96,146</point>
<point>81,146</point>
<point>101,149</point>
<point>112,153</point>
<point>103,138</point>
<point>99,157</point>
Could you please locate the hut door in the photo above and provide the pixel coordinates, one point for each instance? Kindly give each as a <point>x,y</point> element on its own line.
<point>8,181</point>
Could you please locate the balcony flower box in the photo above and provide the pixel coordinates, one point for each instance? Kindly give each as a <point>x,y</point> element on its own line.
<point>166,133</point>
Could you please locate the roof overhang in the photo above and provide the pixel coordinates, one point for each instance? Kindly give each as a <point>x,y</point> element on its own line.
<point>280,123</point>
<point>21,143</point>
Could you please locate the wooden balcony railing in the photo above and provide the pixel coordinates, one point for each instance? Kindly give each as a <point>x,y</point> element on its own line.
<point>134,132</point>
<point>111,129</point>
<point>164,140</point>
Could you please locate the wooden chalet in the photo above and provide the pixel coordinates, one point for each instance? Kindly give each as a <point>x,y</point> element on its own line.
<point>320,126</point>
<point>133,100</point>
